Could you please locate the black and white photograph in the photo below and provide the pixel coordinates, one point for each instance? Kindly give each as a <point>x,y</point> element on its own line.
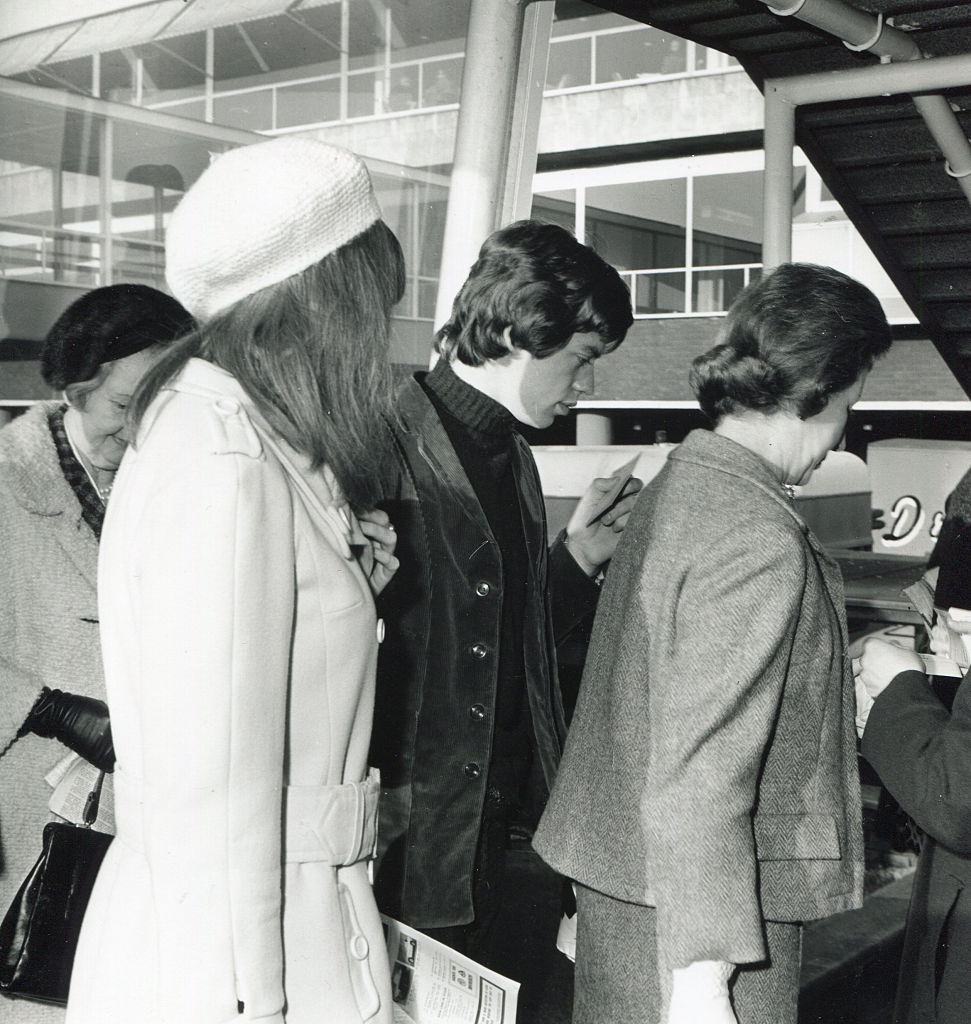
<point>484,487</point>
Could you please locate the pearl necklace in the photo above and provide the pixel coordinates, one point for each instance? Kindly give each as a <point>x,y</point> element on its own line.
<point>103,492</point>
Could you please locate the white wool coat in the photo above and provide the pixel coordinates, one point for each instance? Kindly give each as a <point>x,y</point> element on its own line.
<point>48,637</point>
<point>240,639</point>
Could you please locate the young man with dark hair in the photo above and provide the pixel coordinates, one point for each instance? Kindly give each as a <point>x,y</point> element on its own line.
<point>469,722</point>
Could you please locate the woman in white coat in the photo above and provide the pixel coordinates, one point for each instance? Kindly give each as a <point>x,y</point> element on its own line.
<point>237,616</point>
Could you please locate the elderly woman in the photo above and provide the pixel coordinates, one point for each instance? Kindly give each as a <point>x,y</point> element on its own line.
<point>240,643</point>
<point>57,463</point>
<point>708,799</point>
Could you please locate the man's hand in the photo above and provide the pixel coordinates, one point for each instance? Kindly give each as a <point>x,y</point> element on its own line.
<point>592,545</point>
<point>380,564</point>
<point>699,994</point>
<point>880,662</point>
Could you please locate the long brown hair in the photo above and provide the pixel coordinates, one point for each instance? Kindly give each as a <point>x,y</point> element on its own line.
<point>312,354</point>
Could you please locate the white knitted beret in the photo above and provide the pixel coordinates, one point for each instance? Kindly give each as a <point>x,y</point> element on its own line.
<point>259,214</point>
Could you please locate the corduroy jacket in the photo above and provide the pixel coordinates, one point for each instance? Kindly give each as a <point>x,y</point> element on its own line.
<point>437,667</point>
<point>711,766</point>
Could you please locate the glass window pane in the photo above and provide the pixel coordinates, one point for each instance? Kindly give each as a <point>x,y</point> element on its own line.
<point>433,200</point>
<point>427,294</point>
<point>151,170</point>
<point>49,192</point>
<point>252,110</point>
<point>659,293</point>
<point>309,103</point>
<point>403,87</point>
<point>173,69</point>
<point>621,56</point>
<point>365,94</point>
<point>569,64</point>
<point>728,218</point>
<point>73,75</point>
<point>713,291</point>
<point>663,54</point>
<point>118,76</point>
<point>556,208</point>
<point>638,225</point>
<point>441,82</point>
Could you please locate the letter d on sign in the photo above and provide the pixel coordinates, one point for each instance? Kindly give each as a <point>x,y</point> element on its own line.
<point>907,517</point>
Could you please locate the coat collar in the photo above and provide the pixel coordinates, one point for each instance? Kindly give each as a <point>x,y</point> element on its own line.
<point>706,448</point>
<point>419,418</point>
<point>37,484</point>
<point>31,465</point>
<point>319,488</point>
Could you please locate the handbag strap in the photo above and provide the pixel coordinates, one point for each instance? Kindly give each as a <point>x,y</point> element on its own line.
<point>93,801</point>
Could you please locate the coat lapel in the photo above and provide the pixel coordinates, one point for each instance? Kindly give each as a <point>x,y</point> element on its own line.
<point>419,417</point>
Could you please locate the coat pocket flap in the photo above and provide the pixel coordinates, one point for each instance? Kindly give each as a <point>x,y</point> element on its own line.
<point>796,837</point>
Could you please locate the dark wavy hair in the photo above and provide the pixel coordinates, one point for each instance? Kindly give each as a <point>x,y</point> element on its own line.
<point>106,324</point>
<point>791,340</point>
<point>545,286</point>
<point>312,354</point>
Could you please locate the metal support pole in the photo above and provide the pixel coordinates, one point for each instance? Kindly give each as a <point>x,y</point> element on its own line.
<point>481,141</point>
<point>860,30</point>
<point>594,428</point>
<point>517,200</point>
<point>780,137</point>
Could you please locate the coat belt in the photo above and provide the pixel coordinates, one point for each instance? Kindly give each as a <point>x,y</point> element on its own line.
<point>334,825</point>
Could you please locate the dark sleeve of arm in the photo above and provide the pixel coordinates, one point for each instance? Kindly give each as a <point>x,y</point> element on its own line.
<point>923,756</point>
<point>573,594</point>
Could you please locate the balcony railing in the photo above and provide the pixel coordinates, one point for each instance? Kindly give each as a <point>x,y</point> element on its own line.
<point>687,291</point>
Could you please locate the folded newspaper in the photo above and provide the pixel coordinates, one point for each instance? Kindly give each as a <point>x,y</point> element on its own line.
<point>432,984</point>
<point>72,780</point>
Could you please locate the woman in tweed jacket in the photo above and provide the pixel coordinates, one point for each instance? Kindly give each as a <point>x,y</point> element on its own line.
<point>707,801</point>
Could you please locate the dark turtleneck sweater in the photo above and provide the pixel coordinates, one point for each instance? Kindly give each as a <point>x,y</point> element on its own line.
<point>483,433</point>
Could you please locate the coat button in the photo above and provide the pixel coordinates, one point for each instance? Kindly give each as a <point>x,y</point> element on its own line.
<point>477,711</point>
<point>359,947</point>
<point>479,651</point>
<point>379,629</point>
<point>483,589</point>
<point>472,770</point>
<point>226,406</point>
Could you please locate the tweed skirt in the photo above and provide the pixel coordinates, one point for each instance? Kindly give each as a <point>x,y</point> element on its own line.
<point>621,978</point>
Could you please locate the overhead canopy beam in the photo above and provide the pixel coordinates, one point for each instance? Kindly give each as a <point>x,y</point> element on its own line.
<point>784,95</point>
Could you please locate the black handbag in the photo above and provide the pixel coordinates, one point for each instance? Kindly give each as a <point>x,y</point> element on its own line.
<point>39,933</point>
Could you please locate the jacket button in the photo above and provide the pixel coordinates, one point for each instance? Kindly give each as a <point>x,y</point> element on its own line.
<point>360,947</point>
<point>477,711</point>
<point>379,630</point>
<point>479,651</point>
<point>472,770</point>
<point>226,406</point>
<point>483,589</point>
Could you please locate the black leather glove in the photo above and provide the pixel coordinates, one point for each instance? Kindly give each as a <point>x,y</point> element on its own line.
<point>81,723</point>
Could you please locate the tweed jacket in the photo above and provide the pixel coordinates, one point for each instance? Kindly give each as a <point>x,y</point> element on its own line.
<point>711,766</point>
<point>240,641</point>
<point>48,637</point>
<point>437,669</point>
<point>922,754</point>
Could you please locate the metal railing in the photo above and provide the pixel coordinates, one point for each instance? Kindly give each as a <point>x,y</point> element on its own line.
<point>406,86</point>
<point>687,291</point>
